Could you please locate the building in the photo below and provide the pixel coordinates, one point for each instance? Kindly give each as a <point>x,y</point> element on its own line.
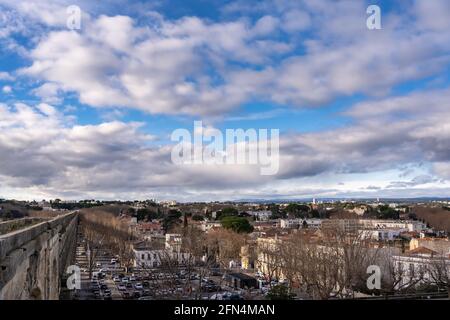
<point>298,223</point>
<point>148,254</point>
<point>261,215</point>
<point>346,225</point>
<point>409,225</point>
<point>353,225</point>
<point>289,223</point>
<point>147,229</point>
<point>381,234</point>
<point>440,245</point>
<point>247,255</point>
<point>422,266</point>
<point>205,226</point>
<point>241,281</point>
<point>152,254</point>
<point>268,258</point>
<point>173,242</point>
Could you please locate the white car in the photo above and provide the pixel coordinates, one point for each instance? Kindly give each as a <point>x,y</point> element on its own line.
<point>116,279</point>
<point>138,286</point>
<point>98,264</point>
<point>122,287</point>
<point>125,280</point>
<point>132,278</point>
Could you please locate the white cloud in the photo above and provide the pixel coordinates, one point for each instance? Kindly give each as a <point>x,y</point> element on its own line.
<point>200,67</point>
<point>7,89</point>
<point>5,76</point>
<point>295,21</point>
<point>40,148</point>
<point>193,66</point>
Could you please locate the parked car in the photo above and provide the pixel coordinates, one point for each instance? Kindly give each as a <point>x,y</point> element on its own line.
<point>116,279</point>
<point>136,294</point>
<point>138,286</point>
<point>146,292</point>
<point>121,287</point>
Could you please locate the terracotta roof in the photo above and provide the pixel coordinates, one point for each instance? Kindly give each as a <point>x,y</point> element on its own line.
<point>422,250</point>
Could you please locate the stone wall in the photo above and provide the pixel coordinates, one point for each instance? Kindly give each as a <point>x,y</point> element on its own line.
<point>33,259</point>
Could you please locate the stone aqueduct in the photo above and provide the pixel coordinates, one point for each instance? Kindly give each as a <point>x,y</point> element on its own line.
<point>33,259</point>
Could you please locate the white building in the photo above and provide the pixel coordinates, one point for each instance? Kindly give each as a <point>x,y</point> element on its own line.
<point>382,234</point>
<point>289,223</point>
<point>261,215</point>
<point>421,265</point>
<point>173,242</point>
<point>409,225</point>
<point>153,254</point>
<point>205,226</point>
<point>296,223</point>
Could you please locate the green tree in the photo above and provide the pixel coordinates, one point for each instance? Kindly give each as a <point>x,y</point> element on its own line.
<point>237,224</point>
<point>197,217</point>
<point>172,218</point>
<point>297,210</point>
<point>142,214</point>
<point>227,212</point>
<point>280,292</point>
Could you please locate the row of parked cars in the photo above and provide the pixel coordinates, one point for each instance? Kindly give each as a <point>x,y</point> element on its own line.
<point>133,286</point>
<point>100,289</point>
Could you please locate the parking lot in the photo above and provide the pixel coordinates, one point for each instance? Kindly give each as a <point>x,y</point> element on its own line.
<point>109,281</point>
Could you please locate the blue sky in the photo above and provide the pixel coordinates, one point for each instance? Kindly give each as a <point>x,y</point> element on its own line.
<point>89,112</point>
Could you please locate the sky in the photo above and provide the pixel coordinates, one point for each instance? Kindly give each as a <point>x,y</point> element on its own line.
<point>89,112</point>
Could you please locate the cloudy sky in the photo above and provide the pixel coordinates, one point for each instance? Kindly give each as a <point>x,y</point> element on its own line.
<point>88,113</point>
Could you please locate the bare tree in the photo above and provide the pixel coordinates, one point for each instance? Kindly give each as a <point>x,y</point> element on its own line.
<point>439,272</point>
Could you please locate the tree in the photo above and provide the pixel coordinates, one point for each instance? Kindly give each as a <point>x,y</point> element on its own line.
<point>297,210</point>
<point>102,230</point>
<point>280,292</point>
<point>439,272</point>
<point>237,224</point>
<point>171,220</point>
<point>197,217</point>
<point>224,245</point>
<point>270,259</point>
<point>226,212</point>
<point>335,263</point>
